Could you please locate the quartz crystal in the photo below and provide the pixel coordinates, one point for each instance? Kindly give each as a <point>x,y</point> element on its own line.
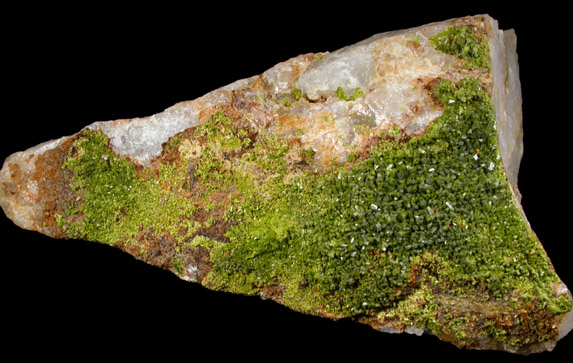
<point>377,182</point>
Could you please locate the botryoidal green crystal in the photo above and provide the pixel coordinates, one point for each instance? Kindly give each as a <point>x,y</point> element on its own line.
<point>405,229</point>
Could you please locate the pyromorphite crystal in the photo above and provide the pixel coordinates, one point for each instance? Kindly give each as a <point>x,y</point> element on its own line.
<point>377,182</point>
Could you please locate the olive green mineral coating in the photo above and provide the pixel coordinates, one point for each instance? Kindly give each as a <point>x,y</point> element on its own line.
<point>430,214</point>
<point>417,232</point>
<point>463,42</point>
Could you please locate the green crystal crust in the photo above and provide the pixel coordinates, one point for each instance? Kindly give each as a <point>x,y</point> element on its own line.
<point>347,241</point>
<point>117,201</point>
<point>463,42</point>
<point>420,232</point>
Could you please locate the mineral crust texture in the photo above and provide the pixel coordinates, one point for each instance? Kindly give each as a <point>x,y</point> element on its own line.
<point>377,182</point>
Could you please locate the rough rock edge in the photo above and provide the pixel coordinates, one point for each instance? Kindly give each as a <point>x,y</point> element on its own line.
<point>26,214</point>
<point>507,92</point>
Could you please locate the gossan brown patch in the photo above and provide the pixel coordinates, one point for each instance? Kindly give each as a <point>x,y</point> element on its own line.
<point>54,192</point>
<point>163,251</point>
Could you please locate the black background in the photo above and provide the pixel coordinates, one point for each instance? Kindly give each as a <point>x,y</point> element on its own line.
<point>66,67</point>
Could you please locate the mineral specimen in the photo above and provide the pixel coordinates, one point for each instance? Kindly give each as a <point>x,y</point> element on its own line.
<point>377,182</point>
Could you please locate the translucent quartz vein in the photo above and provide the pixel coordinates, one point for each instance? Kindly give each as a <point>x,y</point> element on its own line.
<point>377,182</point>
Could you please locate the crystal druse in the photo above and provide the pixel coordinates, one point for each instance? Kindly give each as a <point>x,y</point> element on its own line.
<point>377,182</point>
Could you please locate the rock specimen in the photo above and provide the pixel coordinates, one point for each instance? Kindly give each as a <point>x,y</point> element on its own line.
<point>377,182</point>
